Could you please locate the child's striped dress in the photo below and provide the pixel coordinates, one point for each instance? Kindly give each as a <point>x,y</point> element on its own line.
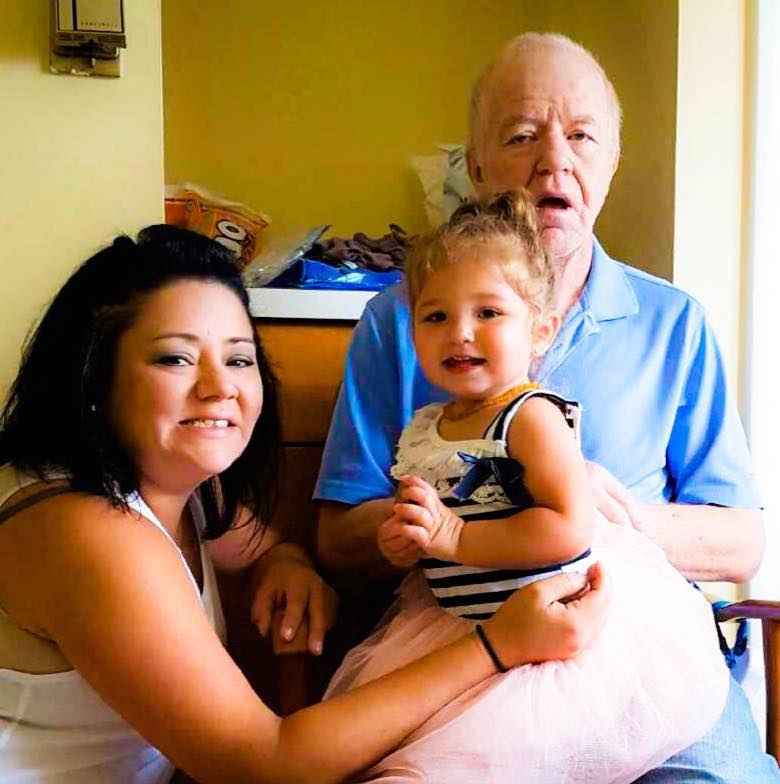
<point>480,482</point>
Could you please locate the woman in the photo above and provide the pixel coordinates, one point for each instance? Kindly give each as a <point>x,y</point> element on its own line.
<point>142,424</point>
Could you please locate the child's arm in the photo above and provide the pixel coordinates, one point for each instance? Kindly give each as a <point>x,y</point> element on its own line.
<point>559,527</point>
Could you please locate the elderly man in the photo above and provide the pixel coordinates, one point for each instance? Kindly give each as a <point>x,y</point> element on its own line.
<point>636,352</point>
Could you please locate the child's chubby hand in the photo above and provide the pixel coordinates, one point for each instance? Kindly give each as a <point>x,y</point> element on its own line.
<point>395,545</point>
<point>425,520</point>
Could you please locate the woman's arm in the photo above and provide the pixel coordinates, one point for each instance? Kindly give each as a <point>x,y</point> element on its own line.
<point>112,592</point>
<point>556,529</point>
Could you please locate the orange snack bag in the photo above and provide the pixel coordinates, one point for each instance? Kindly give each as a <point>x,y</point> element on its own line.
<point>230,223</point>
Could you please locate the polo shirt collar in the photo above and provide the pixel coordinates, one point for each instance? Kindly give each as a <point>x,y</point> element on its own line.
<point>608,293</point>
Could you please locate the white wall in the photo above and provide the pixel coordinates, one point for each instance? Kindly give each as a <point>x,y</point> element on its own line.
<point>708,221</point>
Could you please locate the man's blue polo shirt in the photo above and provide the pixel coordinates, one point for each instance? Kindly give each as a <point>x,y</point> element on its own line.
<point>636,353</point>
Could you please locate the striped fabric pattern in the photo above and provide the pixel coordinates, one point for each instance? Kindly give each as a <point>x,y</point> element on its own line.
<point>476,593</point>
<point>469,591</point>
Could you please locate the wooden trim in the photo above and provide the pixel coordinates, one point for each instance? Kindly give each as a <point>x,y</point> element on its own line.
<point>308,360</point>
<point>771,629</point>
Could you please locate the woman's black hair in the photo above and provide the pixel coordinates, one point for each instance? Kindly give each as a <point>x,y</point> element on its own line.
<point>56,417</point>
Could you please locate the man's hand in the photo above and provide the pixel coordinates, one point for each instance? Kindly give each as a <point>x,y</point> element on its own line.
<point>703,542</point>
<point>424,520</point>
<point>287,586</point>
<point>611,498</point>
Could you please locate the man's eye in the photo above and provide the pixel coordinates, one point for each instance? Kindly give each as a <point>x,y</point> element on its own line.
<point>579,136</point>
<point>489,313</point>
<point>523,137</point>
<point>434,318</point>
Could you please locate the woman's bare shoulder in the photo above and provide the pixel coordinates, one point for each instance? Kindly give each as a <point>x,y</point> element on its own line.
<point>71,543</point>
<point>69,526</point>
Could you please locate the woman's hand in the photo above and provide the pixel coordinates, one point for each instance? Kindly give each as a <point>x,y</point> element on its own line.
<point>287,584</point>
<point>556,618</point>
<point>425,520</point>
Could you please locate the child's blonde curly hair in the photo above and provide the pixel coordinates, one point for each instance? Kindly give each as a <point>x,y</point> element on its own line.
<point>509,217</point>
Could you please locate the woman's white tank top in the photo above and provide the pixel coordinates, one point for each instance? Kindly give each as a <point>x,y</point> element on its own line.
<point>56,728</point>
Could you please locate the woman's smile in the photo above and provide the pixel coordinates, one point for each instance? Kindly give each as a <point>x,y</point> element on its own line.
<point>219,424</point>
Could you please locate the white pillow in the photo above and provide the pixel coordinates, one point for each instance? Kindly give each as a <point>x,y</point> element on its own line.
<point>445,181</point>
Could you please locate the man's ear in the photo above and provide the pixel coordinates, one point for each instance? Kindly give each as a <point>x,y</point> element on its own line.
<point>475,170</point>
<point>543,333</point>
<point>616,160</point>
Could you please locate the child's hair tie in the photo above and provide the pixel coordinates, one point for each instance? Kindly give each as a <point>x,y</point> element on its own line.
<point>491,651</point>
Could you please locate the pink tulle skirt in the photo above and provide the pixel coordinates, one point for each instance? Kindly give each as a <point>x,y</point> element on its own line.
<point>652,683</point>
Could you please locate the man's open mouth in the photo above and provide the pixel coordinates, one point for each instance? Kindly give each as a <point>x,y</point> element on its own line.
<point>553,202</point>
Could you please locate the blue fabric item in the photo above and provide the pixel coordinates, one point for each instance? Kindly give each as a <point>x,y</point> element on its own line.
<point>634,349</point>
<point>312,274</point>
<point>507,472</point>
<point>481,470</point>
<point>737,656</point>
<point>730,753</point>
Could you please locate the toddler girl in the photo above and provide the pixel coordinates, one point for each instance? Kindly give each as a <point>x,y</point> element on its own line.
<point>493,494</point>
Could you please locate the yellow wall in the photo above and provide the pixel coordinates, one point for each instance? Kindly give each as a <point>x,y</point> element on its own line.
<point>310,111</point>
<point>636,43</point>
<point>81,159</point>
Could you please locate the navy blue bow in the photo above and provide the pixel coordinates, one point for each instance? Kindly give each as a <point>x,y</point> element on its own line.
<point>506,472</point>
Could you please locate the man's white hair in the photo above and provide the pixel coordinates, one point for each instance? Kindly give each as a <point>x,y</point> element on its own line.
<point>514,51</point>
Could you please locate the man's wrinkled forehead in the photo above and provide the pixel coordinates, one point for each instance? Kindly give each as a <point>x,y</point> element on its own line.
<point>534,80</point>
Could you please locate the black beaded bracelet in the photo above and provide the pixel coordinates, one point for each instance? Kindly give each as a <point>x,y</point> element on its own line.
<point>491,651</point>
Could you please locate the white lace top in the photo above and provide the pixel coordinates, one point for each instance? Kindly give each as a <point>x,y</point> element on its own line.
<point>469,591</point>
